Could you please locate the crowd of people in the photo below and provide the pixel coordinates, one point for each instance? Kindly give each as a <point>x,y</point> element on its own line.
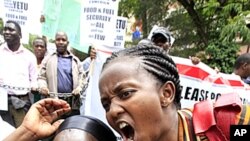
<point>44,94</point>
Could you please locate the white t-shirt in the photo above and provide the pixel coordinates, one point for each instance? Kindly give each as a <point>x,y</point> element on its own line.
<point>5,128</point>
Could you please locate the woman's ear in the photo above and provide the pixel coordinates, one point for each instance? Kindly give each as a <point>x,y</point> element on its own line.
<point>167,93</point>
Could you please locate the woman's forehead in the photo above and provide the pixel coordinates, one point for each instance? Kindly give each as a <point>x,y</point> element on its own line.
<point>123,63</point>
<point>122,70</point>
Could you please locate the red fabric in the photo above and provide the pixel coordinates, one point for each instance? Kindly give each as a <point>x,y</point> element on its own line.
<point>203,117</point>
<point>215,120</point>
<point>225,110</point>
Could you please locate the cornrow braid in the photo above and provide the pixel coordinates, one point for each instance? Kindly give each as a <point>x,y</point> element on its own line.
<point>156,61</point>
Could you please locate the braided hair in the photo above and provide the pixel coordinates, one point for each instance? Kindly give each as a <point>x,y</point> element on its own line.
<point>156,61</point>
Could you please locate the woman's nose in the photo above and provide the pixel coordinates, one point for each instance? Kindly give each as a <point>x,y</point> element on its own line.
<point>115,110</point>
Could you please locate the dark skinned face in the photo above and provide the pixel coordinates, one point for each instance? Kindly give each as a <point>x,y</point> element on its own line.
<point>39,48</point>
<point>61,43</point>
<point>124,93</point>
<point>11,33</point>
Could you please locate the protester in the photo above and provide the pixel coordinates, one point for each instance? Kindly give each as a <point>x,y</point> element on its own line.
<point>40,48</point>
<point>62,72</point>
<point>145,92</point>
<point>40,121</point>
<point>136,36</point>
<point>84,128</point>
<point>163,38</point>
<point>18,74</point>
<point>242,67</point>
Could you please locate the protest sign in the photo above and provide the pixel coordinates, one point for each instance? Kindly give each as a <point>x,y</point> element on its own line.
<point>121,24</point>
<point>200,82</point>
<point>93,106</point>
<point>98,22</point>
<point>20,11</point>
<point>63,15</point>
<point>3,99</point>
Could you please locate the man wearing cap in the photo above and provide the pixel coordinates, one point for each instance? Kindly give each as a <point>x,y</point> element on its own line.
<point>162,37</point>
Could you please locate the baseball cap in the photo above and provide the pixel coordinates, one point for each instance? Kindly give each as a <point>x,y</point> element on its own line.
<point>162,31</point>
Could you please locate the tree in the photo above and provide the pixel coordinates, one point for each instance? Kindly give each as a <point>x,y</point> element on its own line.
<point>151,12</point>
<point>199,26</point>
<point>218,23</point>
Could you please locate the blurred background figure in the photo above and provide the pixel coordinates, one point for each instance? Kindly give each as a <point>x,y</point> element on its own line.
<point>136,36</point>
<point>242,67</point>
<point>61,75</point>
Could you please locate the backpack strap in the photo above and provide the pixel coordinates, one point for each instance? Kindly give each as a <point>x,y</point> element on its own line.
<point>215,119</point>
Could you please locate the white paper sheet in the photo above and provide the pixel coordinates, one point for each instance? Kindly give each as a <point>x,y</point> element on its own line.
<point>3,99</point>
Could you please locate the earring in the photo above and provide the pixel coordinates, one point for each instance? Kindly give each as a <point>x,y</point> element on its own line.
<point>164,103</point>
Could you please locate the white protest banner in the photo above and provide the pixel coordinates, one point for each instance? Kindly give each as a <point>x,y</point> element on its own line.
<point>98,22</point>
<point>93,106</point>
<point>121,25</point>
<point>21,11</point>
<point>200,82</point>
<point>3,99</point>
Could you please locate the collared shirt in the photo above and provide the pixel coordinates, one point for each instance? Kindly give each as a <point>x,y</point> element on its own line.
<point>64,74</point>
<point>18,69</point>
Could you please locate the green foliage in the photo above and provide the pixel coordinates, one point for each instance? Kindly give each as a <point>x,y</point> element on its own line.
<point>128,8</point>
<point>151,12</point>
<point>223,22</point>
<point>130,44</point>
<point>221,55</point>
<point>1,25</point>
<point>182,27</point>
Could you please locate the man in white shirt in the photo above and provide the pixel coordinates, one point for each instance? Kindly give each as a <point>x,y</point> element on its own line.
<point>18,73</point>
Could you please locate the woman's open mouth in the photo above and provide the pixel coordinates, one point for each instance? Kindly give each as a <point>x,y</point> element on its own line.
<point>127,131</point>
